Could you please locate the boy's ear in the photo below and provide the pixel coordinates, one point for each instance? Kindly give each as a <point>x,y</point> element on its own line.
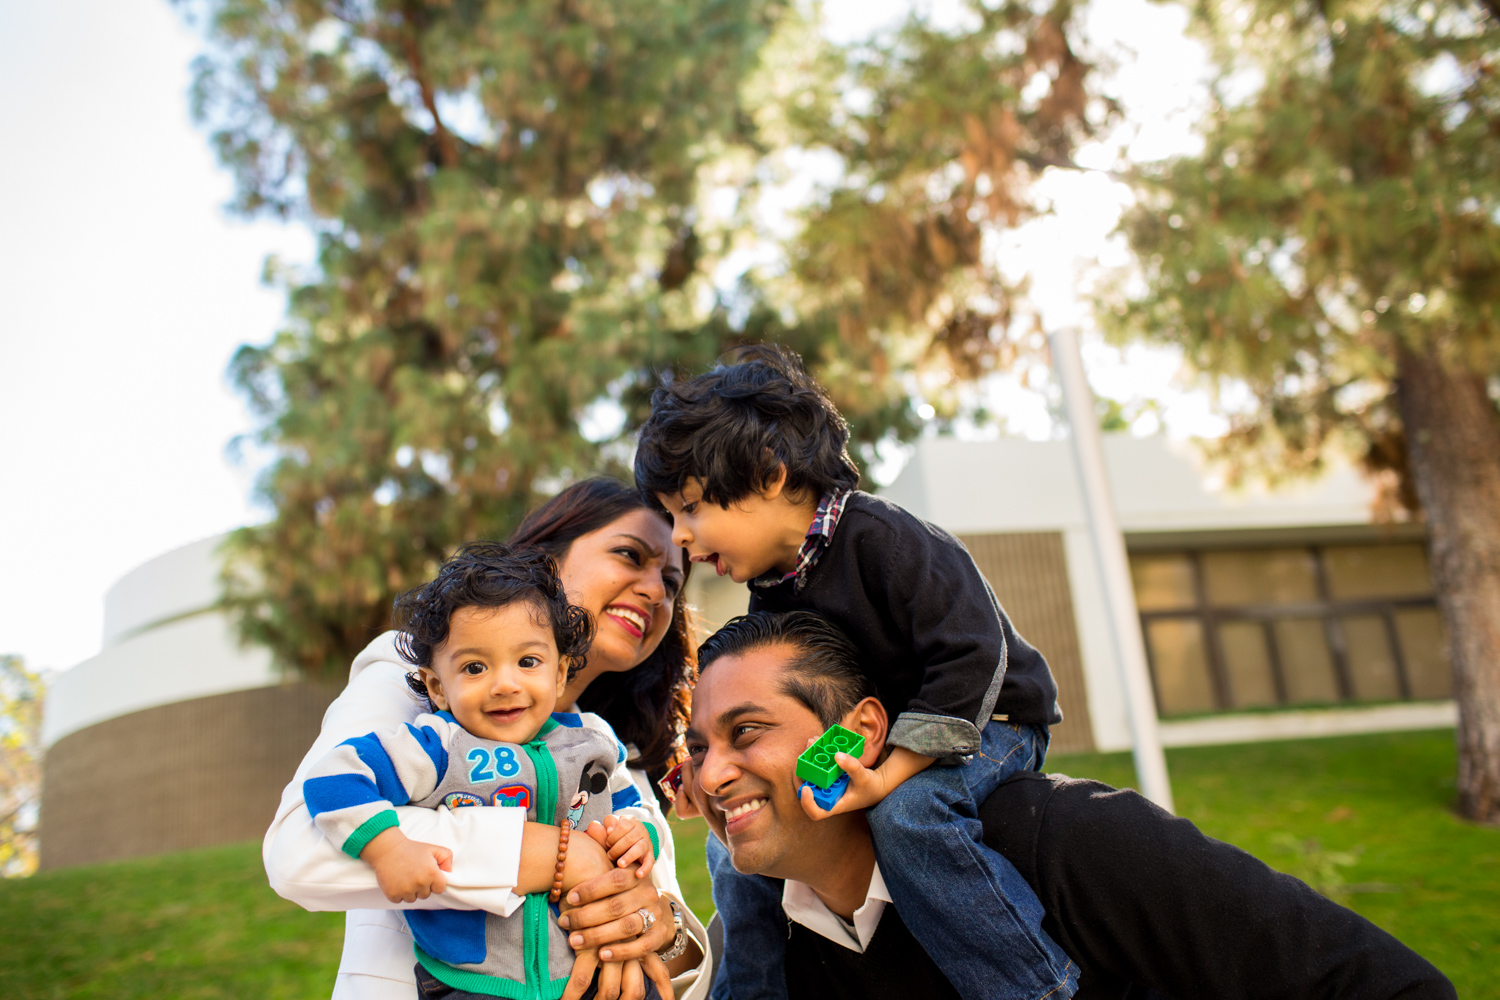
<point>773,487</point>
<point>868,719</point>
<point>434,688</point>
<point>562,679</point>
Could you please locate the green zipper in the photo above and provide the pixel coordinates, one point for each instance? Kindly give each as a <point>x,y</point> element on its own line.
<point>537,915</point>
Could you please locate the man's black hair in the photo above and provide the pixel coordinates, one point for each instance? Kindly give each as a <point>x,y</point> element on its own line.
<point>489,575</point>
<point>735,426</point>
<point>823,675</point>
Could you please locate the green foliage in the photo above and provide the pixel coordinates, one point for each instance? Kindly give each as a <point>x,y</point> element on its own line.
<point>1346,202</point>
<point>1384,800</point>
<point>21,694</point>
<point>512,207</point>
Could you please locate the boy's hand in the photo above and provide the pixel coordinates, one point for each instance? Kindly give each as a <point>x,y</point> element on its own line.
<point>407,870</point>
<point>867,786</point>
<point>628,843</point>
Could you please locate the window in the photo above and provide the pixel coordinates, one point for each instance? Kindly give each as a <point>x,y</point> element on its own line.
<point>1232,629</point>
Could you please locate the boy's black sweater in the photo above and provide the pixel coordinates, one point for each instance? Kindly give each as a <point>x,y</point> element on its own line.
<point>1148,906</point>
<point>942,653</point>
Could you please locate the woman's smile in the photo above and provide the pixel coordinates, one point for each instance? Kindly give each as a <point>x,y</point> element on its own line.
<point>633,618</point>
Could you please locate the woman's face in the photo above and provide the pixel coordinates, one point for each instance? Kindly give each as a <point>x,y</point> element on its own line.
<point>627,575</point>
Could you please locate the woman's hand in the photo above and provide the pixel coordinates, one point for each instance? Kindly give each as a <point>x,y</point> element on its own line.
<point>604,913</point>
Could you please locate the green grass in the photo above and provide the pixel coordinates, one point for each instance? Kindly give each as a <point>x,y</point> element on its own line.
<point>1416,869</point>
<point>203,924</point>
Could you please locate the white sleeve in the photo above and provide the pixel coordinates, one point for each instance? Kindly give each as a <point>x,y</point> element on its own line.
<point>304,867</point>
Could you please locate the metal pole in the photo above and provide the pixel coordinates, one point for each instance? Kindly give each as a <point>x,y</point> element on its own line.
<point>1114,569</point>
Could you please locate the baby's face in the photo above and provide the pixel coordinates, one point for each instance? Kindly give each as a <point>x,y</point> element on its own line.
<point>499,672</point>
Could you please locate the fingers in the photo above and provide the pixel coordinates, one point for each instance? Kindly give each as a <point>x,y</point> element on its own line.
<point>647,862</point>
<point>656,969</point>
<point>600,887</point>
<point>444,859</point>
<point>622,840</point>
<point>810,805</point>
<point>633,982</point>
<point>584,964</point>
<point>609,980</point>
<point>615,906</point>
<point>440,882</point>
<point>598,833</point>
<point>627,938</point>
<point>684,803</point>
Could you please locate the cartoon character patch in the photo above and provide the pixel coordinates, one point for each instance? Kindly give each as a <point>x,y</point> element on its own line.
<point>593,782</point>
<point>457,800</point>
<point>512,795</point>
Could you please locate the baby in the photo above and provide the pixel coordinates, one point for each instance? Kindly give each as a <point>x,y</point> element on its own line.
<point>495,641</point>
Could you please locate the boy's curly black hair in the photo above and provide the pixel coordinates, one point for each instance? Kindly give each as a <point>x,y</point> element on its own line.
<point>489,575</point>
<point>735,426</point>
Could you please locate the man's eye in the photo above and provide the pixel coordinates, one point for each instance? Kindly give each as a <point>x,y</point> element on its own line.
<point>696,750</point>
<point>740,732</point>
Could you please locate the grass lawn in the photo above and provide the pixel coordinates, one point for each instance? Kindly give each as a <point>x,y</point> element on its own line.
<point>1363,813</point>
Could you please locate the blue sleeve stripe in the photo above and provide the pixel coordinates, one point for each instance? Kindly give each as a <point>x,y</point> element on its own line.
<point>378,761</point>
<point>431,742</point>
<point>619,752</point>
<point>625,798</point>
<point>337,791</point>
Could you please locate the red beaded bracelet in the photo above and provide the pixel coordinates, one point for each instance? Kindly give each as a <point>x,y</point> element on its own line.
<point>564,829</point>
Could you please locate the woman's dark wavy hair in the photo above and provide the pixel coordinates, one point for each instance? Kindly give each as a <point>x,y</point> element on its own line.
<point>648,705</point>
<point>488,575</point>
<point>736,425</point>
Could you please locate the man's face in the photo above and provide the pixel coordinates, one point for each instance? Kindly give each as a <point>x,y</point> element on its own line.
<point>744,742</point>
<point>740,541</point>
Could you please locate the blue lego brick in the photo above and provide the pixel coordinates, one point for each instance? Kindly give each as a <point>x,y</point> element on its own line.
<point>826,797</point>
<point>817,766</point>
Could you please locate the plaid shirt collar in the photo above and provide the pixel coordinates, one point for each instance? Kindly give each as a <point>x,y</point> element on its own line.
<point>830,508</point>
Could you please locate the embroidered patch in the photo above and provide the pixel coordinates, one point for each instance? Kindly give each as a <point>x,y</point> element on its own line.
<point>457,800</point>
<point>512,795</point>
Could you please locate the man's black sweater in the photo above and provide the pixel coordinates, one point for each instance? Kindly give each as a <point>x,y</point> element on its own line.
<point>1148,906</point>
<point>933,638</point>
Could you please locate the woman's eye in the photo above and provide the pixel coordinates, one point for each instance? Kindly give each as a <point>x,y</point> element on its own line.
<point>672,585</point>
<point>631,554</point>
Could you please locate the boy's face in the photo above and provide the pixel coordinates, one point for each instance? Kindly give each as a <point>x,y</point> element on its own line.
<point>752,536</point>
<point>499,672</point>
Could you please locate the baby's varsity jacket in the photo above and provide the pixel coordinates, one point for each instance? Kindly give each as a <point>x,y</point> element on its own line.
<point>575,767</point>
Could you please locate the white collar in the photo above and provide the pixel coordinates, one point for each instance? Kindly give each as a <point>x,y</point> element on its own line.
<point>803,905</point>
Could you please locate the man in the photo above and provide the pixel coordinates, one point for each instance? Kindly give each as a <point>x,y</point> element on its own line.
<point>1146,904</point>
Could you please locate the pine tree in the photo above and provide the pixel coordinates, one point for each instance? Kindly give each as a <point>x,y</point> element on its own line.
<point>1336,246</point>
<point>513,246</point>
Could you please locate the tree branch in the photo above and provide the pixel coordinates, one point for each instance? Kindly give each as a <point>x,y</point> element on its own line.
<point>447,147</point>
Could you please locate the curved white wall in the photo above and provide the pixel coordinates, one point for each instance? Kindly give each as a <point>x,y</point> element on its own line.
<point>163,643</point>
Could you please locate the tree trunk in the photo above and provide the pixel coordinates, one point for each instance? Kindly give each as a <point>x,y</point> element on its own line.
<point>1453,439</point>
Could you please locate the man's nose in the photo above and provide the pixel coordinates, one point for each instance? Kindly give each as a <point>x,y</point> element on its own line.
<point>717,770</point>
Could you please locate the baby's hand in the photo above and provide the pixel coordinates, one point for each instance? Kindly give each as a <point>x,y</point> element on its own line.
<point>407,870</point>
<point>628,843</point>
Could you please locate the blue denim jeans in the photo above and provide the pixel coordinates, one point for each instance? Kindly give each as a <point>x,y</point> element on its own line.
<point>966,905</point>
<point>753,966</point>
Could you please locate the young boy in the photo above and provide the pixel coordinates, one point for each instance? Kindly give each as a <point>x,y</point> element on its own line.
<point>744,459</point>
<point>494,640</point>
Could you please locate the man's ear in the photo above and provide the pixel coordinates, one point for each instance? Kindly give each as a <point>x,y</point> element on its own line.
<point>434,688</point>
<point>869,720</point>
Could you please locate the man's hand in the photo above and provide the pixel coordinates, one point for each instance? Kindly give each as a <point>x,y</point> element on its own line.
<point>867,786</point>
<point>628,844</point>
<point>407,870</point>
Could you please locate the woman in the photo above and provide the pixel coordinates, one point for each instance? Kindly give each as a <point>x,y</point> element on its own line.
<point>617,561</point>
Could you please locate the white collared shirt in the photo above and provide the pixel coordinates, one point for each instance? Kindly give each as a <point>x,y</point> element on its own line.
<point>803,905</point>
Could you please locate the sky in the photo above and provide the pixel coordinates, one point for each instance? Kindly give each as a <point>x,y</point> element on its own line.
<point>125,289</point>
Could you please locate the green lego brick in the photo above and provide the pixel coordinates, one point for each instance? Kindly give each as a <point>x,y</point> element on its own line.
<point>817,764</point>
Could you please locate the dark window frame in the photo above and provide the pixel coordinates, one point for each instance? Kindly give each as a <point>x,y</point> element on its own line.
<point>1327,609</point>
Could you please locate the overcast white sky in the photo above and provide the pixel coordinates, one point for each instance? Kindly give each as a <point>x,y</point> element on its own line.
<point>124,290</point>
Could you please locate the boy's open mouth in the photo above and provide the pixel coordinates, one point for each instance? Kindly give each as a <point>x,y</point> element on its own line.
<point>714,558</point>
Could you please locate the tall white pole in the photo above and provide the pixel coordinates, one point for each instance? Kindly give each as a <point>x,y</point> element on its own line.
<point>1114,569</point>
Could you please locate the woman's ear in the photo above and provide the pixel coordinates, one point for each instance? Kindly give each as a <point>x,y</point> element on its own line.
<point>869,720</point>
<point>434,688</point>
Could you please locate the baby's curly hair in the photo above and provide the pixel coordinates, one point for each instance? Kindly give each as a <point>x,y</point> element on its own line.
<point>488,575</point>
